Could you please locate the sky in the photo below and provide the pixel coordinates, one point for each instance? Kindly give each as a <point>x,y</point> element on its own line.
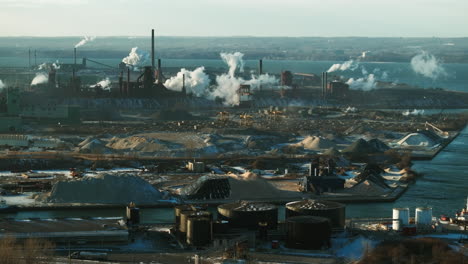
<point>291,18</point>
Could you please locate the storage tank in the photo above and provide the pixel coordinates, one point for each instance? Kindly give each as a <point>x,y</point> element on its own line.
<point>423,218</point>
<point>249,214</point>
<point>199,230</point>
<point>185,215</point>
<point>308,232</point>
<point>403,215</point>
<point>179,209</point>
<point>335,212</point>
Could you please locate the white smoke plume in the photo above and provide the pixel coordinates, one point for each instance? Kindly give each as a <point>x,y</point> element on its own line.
<point>196,81</point>
<point>2,85</point>
<point>41,77</point>
<point>414,112</point>
<point>348,65</point>
<point>85,40</point>
<point>366,83</point>
<point>234,61</point>
<point>427,65</point>
<point>46,66</point>
<point>264,79</point>
<point>136,57</point>
<point>226,88</point>
<point>105,84</point>
<point>227,85</point>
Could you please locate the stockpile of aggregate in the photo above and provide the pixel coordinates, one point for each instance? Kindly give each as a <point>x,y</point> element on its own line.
<point>361,146</point>
<point>104,189</point>
<point>316,143</point>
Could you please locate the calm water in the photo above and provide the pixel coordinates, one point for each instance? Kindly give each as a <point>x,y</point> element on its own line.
<point>455,79</point>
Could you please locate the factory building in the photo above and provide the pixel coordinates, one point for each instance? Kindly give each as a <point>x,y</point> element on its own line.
<point>337,90</point>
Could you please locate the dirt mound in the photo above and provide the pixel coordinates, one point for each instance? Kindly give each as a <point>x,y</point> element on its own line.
<point>136,143</point>
<point>256,188</point>
<point>378,145</point>
<point>361,146</point>
<point>104,189</point>
<point>94,146</point>
<point>332,152</point>
<point>316,143</point>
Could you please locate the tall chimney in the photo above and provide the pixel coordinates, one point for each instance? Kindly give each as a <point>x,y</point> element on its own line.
<point>128,81</point>
<point>30,58</point>
<point>183,85</point>
<point>260,67</point>
<point>35,58</point>
<point>74,56</point>
<point>121,82</point>
<point>159,71</point>
<point>152,50</point>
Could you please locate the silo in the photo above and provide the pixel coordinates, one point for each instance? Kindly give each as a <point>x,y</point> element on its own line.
<point>199,230</point>
<point>308,232</point>
<point>185,215</point>
<point>403,215</point>
<point>249,214</point>
<point>423,218</point>
<point>179,209</point>
<point>334,211</point>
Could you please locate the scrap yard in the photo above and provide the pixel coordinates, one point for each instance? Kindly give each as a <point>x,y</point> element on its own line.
<point>158,164</point>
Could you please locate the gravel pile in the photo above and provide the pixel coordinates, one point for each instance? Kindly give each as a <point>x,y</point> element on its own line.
<point>105,189</point>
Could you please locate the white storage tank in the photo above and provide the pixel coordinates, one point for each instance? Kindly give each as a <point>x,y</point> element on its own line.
<point>423,218</point>
<point>403,215</point>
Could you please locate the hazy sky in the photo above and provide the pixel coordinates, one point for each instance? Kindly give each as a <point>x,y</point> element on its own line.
<point>387,18</point>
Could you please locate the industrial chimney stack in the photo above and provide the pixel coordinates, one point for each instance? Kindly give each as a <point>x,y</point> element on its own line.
<point>152,50</point>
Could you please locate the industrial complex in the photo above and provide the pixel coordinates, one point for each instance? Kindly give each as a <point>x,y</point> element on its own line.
<point>157,164</point>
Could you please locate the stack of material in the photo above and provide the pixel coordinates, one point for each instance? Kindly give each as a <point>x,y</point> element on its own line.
<point>333,152</point>
<point>104,189</point>
<point>423,138</point>
<point>361,146</point>
<point>316,143</point>
<point>378,145</point>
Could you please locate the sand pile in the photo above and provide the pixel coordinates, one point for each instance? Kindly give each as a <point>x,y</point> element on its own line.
<point>368,187</point>
<point>378,145</point>
<point>316,143</point>
<point>332,152</point>
<point>137,143</point>
<point>361,146</point>
<point>104,189</point>
<point>93,146</point>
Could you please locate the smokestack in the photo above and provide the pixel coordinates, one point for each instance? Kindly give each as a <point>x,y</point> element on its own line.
<point>260,67</point>
<point>159,71</point>
<point>121,82</point>
<point>30,58</point>
<point>183,85</point>
<point>152,50</point>
<point>35,58</point>
<point>128,81</point>
<point>74,56</point>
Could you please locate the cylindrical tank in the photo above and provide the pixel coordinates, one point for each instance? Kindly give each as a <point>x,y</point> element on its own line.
<point>199,230</point>
<point>185,215</point>
<point>249,214</point>
<point>133,214</point>
<point>403,215</point>
<point>178,209</point>
<point>335,212</point>
<point>423,217</point>
<point>308,232</point>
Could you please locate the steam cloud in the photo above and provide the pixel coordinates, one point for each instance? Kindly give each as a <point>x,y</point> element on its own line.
<point>41,77</point>
<point>196,81</point>
<point>233,60</point>
<point>2,85</point>
<point>105,84</point>
<point>414,112</point>
<point>136,58</point>
<point>47,66</point>
<point>365,83</point>
<point>427,65</point>
<point>85,40</point>
<point>348,65</point>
